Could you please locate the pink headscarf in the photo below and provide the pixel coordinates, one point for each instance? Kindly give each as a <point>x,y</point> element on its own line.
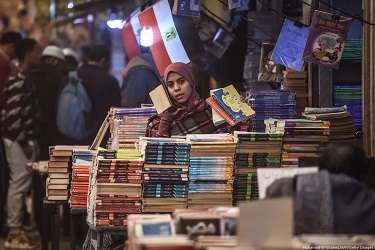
<point>185,71</point>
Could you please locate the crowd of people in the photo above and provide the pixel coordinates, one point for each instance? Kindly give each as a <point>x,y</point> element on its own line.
<point>31,79</point>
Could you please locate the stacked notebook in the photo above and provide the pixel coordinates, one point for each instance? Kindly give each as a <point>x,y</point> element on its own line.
<point>115,191</point>
<point>351,96</point>
<point>81,167</point>
<point>278,104</point>
<point>59,170</point>
<point>254,150</point>
<point>165,174</point>
<point>341,122</point>
<point>211,170</point>
<point>127,125</point>
<point>352,49</point>
<point>302,137</point>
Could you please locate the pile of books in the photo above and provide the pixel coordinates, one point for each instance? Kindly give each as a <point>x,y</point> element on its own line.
<point>296,82</point>
<point>341,121</point>
<point>254,150</point>
<point>81,167</point>
<point>302,137</point>
<point>127,125</point>
<point>352,49</point>
<point>59,170</point>
<point>351,96</point>
<point>115,191</point>
<point>165,174</point>
<point>278,104</point>
<point>211,170</point>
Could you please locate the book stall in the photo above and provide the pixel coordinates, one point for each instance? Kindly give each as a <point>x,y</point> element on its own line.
<point>186,179</point>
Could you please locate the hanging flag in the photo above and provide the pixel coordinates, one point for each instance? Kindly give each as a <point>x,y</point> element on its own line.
<point>167,46</point>
<point>130,35</point>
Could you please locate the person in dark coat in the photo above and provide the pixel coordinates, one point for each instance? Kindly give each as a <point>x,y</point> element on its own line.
<point>334,200</point>
<point>47,78</point>
<point>102,89</point>
<point>140,78</point>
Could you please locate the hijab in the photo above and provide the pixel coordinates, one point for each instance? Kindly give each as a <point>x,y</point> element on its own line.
<point>185,71</point>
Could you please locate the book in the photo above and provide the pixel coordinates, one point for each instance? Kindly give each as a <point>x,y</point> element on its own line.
<point>326,39</point>
<point>219,111</point>
<point>232,4</point>
<point>290,45</point>
<point>269,70</point>
<point>187,8</point>
<point>160,98</point>
<point>230,101</point>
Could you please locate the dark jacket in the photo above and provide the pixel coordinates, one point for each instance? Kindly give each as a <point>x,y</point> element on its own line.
<point>140,78</point>
<point>20,120</point>
<point>104,93</point>
<point>328,203</point>
<point>47,79</point>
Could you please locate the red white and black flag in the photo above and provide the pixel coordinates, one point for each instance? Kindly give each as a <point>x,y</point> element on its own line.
<point>175,38</point>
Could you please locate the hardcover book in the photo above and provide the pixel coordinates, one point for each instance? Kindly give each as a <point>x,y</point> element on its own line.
<point>269,70</point>
<point>290,45</point>
<point>230,101</point>
<point>326,39</point>
<point>187,7</point>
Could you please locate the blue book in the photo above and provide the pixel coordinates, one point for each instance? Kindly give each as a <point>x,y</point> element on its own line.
<point>290,45</point>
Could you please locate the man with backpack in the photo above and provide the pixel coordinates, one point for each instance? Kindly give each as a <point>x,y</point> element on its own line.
<point>80,115</point>
<point>140,78</point>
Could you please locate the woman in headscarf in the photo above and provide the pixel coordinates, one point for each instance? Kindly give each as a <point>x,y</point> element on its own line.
<point>189,114</point>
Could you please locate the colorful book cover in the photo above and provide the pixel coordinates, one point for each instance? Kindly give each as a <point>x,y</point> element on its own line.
<point>290,45</point>
<point>232,4</point>
<point>187,7</point>
<point>269,71</point>
<point>326,39</point>
<point>229,100</point>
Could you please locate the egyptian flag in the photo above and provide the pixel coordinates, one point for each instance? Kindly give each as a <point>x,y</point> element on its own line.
<point>175,37</point>
<point>130,35</point>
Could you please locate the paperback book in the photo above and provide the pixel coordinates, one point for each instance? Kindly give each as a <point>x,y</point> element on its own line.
<point>290,45</point>
<point>326,40</point>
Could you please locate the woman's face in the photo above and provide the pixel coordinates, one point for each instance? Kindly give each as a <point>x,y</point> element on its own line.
<point>178,87</point>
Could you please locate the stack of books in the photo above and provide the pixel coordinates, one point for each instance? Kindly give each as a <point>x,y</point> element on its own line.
<point>115,191</point>
<point>351,96</point>
<point>211,170</point>
<point>352,50</point>
<point>296,82</point>
<point>278,104</point>
<point>127,125</point>
<point>59,170</point>
<point>81,167</point>
<point>341,121</point>
<point>302,137</point>
<point>165,174</point>
<point>254,150</point>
